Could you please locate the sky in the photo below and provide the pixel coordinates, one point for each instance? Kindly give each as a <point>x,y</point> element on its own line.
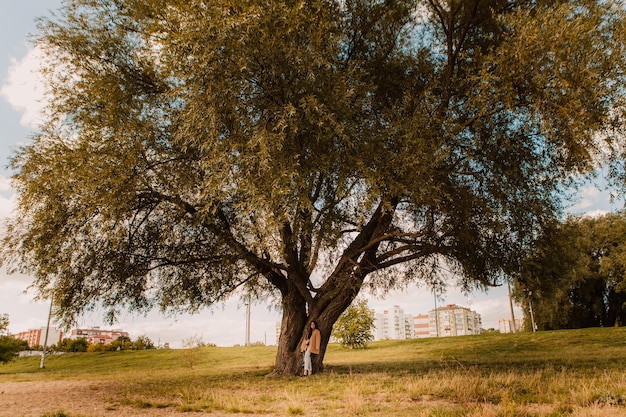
<point>224,325</point>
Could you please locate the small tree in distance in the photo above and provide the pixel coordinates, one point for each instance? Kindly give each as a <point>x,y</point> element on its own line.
<point>9,346</point>
<point>354,327</point>
<point>143,342</point>
<point>4,324</point>
<point>191,345</point>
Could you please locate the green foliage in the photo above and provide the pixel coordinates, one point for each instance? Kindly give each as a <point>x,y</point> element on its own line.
<point>97,347</point>
<point>9,347</point>
<point>73,345</point>
<point>143,342</point>
<point>124,343</point>
<point>191,149</point>
<point>354,327</point>
<point>576,274</point>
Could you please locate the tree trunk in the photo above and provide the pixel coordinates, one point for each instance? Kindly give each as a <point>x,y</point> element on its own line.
<point>331,299</point>
<point>289,359</point>
<point>325,310</point>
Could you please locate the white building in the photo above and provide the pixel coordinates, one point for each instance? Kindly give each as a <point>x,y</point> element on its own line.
<point>506,325</point>
<point>37,337</point>
<point>95,335</point>
<point>421,325</point>
<point>453,320</point>
<point>394,324</point>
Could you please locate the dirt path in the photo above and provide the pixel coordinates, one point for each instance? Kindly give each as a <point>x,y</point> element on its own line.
<point>74,398</point>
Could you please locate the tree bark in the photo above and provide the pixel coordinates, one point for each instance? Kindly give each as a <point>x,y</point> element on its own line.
<point>330,300</point>
<point>289,359</point>
<point>324,310</point>
<point>327,309</point>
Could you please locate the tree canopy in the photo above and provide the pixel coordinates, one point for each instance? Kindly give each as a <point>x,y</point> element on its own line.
<point>575,275</point>
<point>305,148</point>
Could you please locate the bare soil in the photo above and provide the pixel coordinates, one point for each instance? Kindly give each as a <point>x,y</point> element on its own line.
<point>73,398</point>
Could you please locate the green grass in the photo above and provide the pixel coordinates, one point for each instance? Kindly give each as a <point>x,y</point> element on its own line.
<point>563,373</point>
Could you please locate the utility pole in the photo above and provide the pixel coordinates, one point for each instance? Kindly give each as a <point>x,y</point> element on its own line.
<point>513,327</point>
<point>45,340</point>
<point>248,322</point>
<point>530,307</point>
<point>436,313</point>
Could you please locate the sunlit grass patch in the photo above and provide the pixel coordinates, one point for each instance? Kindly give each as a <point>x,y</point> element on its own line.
<point>522,375</point>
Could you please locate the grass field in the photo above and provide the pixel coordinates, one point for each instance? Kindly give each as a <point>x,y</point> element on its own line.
<point>563,373</point>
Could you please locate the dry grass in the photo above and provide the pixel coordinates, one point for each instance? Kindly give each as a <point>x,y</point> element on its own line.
<point>566,373</point>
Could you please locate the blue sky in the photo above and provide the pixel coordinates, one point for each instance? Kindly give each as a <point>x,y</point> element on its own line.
<point>224,325</point>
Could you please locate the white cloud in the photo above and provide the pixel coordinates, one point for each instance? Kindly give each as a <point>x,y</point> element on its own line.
<point>596,213</point>
<point>593,201</point>
<point>24,89</point>
<point>7,204</point>
<point>24,313</point>
<point>5,184</point>
<point>588,197</point>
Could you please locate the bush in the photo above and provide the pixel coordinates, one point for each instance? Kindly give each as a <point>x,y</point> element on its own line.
<point>143,342</point>
<point>73,345</point>
<point>96,347</point>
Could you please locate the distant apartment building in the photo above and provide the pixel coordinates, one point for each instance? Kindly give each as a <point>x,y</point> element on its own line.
<point>454,320</point>
<point>394,324</point>
<point>509,326</point>
<point>95,335</point>
<point>421,325</point>
<point>37,337</point>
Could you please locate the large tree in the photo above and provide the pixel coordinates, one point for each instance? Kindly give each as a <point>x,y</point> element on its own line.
<point>305,148</point>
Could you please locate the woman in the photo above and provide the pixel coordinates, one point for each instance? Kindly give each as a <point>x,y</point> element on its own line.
<point>311,347</point>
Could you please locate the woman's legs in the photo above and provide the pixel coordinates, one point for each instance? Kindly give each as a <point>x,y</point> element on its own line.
<point>307,363</point>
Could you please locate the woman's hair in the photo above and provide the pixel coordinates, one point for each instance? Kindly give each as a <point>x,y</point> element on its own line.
<point>309,332</point>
